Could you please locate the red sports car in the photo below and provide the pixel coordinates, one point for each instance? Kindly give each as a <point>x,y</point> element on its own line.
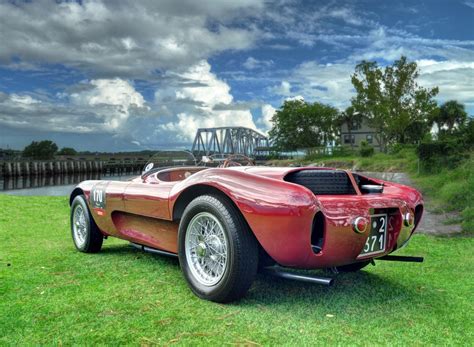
<point>226,222</point>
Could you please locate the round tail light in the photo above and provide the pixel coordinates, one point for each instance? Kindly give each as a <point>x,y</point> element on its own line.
<point>409,219</point>
<point>360,225</point>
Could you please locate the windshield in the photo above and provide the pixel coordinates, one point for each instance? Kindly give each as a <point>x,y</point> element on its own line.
<point>167,159</point>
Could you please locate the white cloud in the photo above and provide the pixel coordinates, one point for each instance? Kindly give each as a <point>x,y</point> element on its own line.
<point>295,98</point>
<point>24,100</point>
<point>201,98</point>
<point>347,15</point>
<point>116,92</point>
<point>251,63</point>
<point>389,44</point>
<point>283,89</point>
<point>111,98</point>
<point>310,22</point>
<point>102,105</point>
<point>428,66</point>
<point>303,38</point>
<point>268,111</point>
<point>185,102</point>
<point>187,123</point>
<point>326,83</point>
<point>469,4</point>
<point>455,79</point>
<point>210,90</point>
<point>24,112</point>
<point>122,38</point>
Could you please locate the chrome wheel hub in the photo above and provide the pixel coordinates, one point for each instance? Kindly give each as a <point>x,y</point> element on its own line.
<point>79,226</point>
<point>206,248</point>
<point>201,250</point>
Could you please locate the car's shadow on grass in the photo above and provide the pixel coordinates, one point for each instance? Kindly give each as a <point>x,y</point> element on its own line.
<point>364,289</point>
<point>128,249</point>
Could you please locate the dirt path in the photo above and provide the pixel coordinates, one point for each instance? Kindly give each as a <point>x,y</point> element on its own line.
<point>431,223</point>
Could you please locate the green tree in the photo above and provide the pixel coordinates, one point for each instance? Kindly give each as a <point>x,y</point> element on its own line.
<point>450,117</point>
<point>67,151</point>
<point>299,124</point>
<point>417,131</point>
<point>40,150</point>
<point>469,132</point>
<point>393,101</point>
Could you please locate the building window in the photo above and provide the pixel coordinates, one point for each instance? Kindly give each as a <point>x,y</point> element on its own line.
<point>355,125</point>
<point>347,139</point>
<point>369,139</point>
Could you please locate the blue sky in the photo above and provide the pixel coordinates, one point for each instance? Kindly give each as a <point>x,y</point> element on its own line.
<point>129,75</point>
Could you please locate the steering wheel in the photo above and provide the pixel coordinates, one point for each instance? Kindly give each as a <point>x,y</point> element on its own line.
<point>231,161</point>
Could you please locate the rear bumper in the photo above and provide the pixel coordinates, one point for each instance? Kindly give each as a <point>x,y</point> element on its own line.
<point>288,238</point>
<point>343,246</point>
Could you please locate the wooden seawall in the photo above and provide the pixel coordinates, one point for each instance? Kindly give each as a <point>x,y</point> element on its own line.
<point>68,167</point>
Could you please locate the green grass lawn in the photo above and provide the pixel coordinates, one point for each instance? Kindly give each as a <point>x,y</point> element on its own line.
<point>52,294</point>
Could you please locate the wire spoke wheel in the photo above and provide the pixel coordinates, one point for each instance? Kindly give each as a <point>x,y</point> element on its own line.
<point>217,252</point>
<point>79,225</point>
<point>206,247</point>
<point>84,231</point>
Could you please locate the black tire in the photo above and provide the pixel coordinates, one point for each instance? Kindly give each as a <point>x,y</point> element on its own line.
<point>242,250</point>
<point>264,260</point>
<point>350,267</point>
<point>93,238</point>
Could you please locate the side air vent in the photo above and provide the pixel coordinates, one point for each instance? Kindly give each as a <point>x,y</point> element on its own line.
<point>317,233</point>
<point>418,214</point>
<point>323,182</point>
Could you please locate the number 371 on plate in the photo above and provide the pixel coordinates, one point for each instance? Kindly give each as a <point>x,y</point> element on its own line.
<point>378,235</point>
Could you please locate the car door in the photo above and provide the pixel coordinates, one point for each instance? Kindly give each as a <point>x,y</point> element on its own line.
<point>148,198</point>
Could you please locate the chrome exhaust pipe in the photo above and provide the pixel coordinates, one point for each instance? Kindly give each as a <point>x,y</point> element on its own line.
<point>401,258</point>
<point>153,250</point>
<point>275,271</point>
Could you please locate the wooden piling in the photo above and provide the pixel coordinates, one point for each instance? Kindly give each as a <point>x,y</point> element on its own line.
<point>34,168</point>
<point>25,169</point>
<point>68,167</point>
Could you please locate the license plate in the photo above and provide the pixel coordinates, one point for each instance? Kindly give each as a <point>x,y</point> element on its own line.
<point>377,239</point>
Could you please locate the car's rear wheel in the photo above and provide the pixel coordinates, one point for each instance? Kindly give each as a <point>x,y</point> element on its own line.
<point>218,254</point>
<point>85,233</point>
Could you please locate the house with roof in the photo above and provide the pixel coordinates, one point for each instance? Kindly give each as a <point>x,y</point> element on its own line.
<point>354,133</point>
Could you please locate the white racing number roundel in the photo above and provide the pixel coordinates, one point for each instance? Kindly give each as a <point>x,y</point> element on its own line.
<point>98,196</point>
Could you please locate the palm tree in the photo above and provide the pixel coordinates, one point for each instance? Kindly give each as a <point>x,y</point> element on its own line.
<point>451,115</point>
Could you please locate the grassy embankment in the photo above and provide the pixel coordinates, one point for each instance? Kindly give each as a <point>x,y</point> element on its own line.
<point>52,294</point>
<point>448,189</point>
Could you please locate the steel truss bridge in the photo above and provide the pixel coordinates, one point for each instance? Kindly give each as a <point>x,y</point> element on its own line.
<point>228,140</point>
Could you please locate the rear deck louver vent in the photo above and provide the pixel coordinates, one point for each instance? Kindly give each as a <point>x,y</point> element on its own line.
<point>323,182</point>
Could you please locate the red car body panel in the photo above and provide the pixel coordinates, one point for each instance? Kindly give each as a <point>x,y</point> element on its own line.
<point>279,213</point>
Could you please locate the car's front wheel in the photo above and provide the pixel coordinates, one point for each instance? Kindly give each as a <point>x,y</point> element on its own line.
<point>218,253</point>
<point>85,233</point>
